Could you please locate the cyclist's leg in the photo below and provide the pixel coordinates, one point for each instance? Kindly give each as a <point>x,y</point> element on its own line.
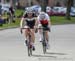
<point>40,34</point>
<point>26,34</point>
<point>33,38</point>
<point>47,38</point>
<point>46,33</point>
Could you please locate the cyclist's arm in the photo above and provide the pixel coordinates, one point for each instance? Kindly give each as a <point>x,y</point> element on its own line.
<point>49,25</point>
<point>21,23</point>
<point>49,21</point>
<point>38,21</point>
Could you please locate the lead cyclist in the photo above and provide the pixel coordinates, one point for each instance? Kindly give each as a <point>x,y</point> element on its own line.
<point>29,21</point>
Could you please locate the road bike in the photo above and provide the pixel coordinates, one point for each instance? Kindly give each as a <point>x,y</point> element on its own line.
<point>29,40</point>
<point>44,44</point>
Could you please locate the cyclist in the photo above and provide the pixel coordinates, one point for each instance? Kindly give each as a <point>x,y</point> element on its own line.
<point>29,21</point>
<point>44,21</point>
<point>11,14</point>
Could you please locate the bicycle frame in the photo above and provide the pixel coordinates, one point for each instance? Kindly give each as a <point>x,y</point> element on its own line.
<point>44,40</point>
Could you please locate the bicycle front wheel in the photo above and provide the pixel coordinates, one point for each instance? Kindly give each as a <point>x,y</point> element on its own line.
<point>29,50</point>
<point>44,47</point>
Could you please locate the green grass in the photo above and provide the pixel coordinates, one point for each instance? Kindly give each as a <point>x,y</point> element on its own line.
<point>19,12</point>
<point>56,20</point>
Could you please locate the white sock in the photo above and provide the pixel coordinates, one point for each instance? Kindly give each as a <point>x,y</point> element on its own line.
<point>25,38</point>
<point>40,36</point>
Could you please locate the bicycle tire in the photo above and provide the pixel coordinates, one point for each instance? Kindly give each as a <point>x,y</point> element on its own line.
<point>44,42</point>
<point>44,47</point>
<point>28,51</point>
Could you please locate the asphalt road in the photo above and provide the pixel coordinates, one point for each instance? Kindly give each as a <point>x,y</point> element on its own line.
<point>62,45</point>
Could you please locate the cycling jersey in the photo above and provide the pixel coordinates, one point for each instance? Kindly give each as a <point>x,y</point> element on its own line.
<point>44,22</point>
<point>30,22</point>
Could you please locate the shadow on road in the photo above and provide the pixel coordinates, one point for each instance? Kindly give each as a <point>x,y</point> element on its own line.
<point>49,54</point>
<point>34,55</point>
<point>53,53</point>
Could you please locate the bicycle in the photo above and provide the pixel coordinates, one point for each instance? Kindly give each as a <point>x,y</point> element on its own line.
<point>29,45</point>
<point>44,44</point>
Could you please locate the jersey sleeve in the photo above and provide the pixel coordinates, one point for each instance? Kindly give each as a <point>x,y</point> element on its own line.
<point>47,17</point>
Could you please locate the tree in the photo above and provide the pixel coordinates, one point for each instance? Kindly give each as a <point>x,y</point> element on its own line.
<point>43,4</point>
<point>69,4</point>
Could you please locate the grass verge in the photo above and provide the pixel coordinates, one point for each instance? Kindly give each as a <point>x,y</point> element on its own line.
<point>55,20</point>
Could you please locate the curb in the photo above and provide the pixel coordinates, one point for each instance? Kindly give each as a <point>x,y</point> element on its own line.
<point>8,28</point>
<point>18,26</point>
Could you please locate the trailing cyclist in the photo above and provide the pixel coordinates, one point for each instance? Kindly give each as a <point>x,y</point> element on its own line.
<point>44,21</point>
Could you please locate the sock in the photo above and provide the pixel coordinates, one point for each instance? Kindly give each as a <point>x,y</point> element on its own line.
<point>25,38</point>
<point>40,36</point>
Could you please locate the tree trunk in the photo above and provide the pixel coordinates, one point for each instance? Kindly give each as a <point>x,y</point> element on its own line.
<point>69,4</point>
<point>43,4</point>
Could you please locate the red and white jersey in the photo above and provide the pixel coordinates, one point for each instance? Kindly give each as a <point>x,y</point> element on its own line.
<point>44,21</point>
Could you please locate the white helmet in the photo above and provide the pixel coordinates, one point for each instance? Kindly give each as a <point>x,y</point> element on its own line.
<point>29,10</point>
<point>42,15</point>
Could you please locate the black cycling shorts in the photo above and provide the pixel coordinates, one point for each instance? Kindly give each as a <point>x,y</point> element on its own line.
<point>45,27</point>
